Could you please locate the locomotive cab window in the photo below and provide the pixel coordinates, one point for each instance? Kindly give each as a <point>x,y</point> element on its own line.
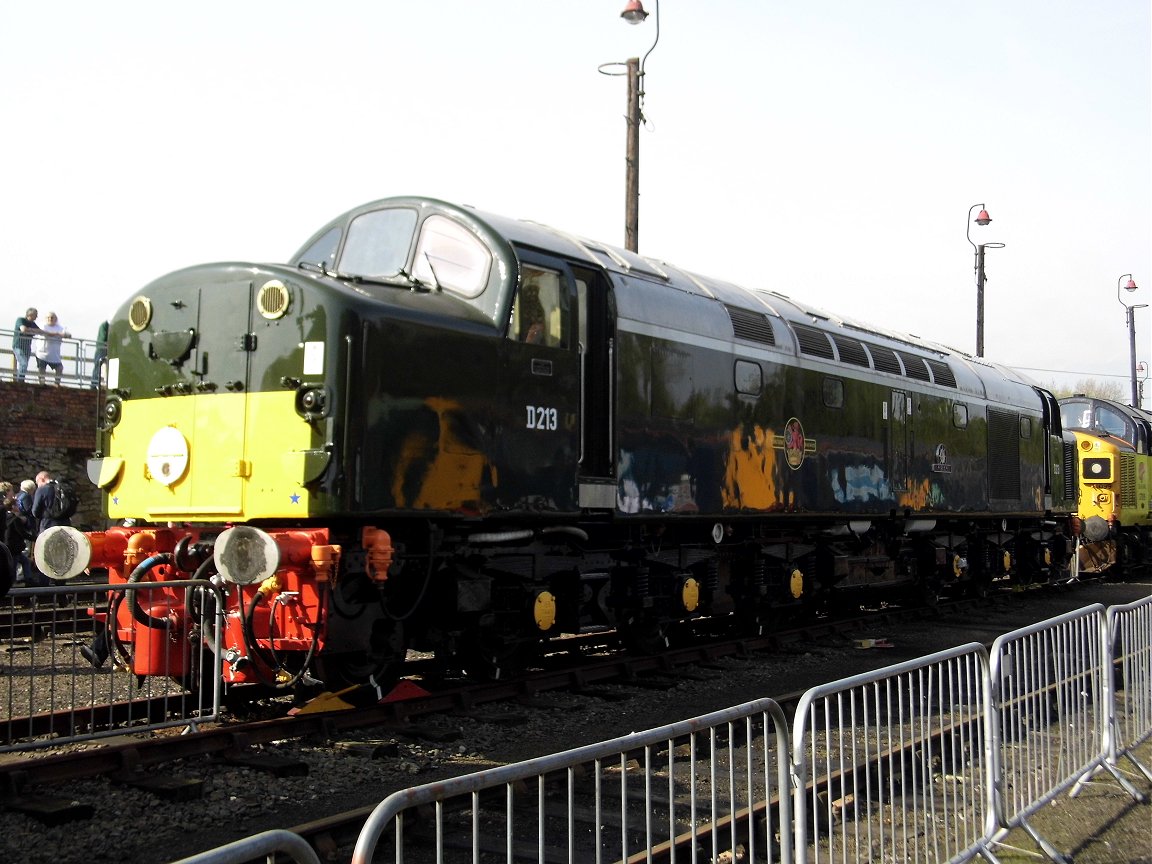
<point>323,251</point>
<point>539,315</point>
<point>378,243</point>
<point>450,257</point>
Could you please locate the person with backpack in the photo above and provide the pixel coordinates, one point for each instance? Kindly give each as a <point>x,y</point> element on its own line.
<point>53,504</point>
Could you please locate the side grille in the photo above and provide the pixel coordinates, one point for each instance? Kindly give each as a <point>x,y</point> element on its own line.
<point>1003,454</point>
<point>941,373</point>
<point>884,359</point>
<point>1069,472</point>
<point>851,351</point>
<point>813,342</point>
<point>914,367</point>
<point>751,326</point>
<point>1128,480</point>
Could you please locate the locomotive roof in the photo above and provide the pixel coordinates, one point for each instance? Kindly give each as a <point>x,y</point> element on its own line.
<point>973,375</point>
<point>636,276</point>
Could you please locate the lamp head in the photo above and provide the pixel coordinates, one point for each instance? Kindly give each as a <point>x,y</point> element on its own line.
<point>982,218</point>
<point>634,12</point>
<point>1131,286</point>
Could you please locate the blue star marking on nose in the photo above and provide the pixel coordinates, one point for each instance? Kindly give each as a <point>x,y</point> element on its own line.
<point>295,499</point>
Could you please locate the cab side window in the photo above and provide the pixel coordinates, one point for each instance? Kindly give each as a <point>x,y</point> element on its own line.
<point>540,313</point>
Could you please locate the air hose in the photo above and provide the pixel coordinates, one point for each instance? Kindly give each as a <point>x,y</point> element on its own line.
<point>267,656</point>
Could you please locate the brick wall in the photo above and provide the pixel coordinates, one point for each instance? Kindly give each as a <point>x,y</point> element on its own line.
<point>54,429</point>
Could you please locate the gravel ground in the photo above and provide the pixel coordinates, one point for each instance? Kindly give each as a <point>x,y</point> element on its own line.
<point>131,825</point>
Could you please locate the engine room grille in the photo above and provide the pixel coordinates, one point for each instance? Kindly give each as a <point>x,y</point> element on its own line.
<point>851,351</point>
<point>884,359</point>
<point>752,326</point>
<point>813,342</point>
<point>1128,479</point>
<point>1003,454</point>
<point>941,373</point>
<point>914,367</point>
<point>1069,471</point>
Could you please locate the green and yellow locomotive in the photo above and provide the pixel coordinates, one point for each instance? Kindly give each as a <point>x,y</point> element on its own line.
<point>447,430</point>
<point>1112,446</point>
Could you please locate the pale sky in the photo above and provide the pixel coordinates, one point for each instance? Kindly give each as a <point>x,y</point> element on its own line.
<point>826,150</point>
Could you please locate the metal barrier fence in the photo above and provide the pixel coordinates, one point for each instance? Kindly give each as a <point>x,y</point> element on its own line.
<point>713,786</point>
<point>77,355</point>
<point>1130,688</point>
<point>892,765</point>
<point>55,694</point>
<point>932,760</point>
<point>266,845</point>
<point>1051,714</point>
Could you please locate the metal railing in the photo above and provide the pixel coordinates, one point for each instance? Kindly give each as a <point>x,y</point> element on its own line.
<point>144,679</point>
<point>267,845</point>
<point>77,355</point>
<point>713,786</point>
<point>1129,690</point>
<point>931,760</point>
<point>892,765</point>
<point>1053,716</point>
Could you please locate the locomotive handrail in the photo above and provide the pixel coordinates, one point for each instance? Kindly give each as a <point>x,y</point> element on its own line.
<point>76,354</point>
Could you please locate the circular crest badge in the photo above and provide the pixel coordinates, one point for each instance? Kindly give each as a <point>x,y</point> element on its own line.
<point>794,443</point>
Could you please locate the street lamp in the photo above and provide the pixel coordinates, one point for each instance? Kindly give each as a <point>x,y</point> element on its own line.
<point>634,13</point>
<point>982,218</point>
<point>1130,311</point>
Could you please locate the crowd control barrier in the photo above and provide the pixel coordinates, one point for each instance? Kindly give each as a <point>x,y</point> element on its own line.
<point>698,790</point>
<point>934,760</point>
<point>1052,718</point>
<point>267,845</point>
<point>53,692</point>
<point>1130,686</point>
<point>892,765</point>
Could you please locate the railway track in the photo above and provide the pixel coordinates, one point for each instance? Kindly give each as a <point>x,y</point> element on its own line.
<point>38,620</point>
<point>353,759</point>
<point>577,665</point>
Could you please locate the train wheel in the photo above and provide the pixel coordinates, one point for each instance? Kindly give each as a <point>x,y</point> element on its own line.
<point>979,587</point>
<point>761,620</point>
<point>488,655</point>
<point>645,635</point>
<point>928,592</point>
<point>379,665</point>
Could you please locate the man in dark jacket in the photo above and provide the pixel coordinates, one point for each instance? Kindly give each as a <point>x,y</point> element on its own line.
<point>33,578</point>
<point>46,491</point>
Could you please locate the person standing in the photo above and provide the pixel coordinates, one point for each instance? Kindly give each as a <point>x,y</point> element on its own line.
<point>7,562</point>
<point>17,530</point>
<point>46,491</point>
<point>101,353</point>
<point>46,346</point>
<point>33,578</point>
<point>22,333</point>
